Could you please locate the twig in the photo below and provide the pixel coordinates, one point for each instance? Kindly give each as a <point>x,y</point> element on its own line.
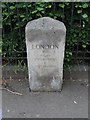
<point>10,91</point>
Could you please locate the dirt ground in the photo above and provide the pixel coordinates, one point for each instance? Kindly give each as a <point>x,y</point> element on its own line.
<point>71,102</point>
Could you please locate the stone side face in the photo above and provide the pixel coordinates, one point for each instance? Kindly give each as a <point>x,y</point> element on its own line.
<point>45,42</point>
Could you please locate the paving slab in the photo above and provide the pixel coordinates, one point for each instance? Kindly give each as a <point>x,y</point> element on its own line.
<point>71,102</point>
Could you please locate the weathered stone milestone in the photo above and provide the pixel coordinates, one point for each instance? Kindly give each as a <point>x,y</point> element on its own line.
<point>45,43</point>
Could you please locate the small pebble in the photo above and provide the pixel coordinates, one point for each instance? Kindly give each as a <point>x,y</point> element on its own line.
<point>8,110</point>
<point>75,102</point>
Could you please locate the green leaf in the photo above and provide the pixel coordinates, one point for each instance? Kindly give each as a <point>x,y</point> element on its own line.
<point>24,6</point>
<point>84,46</point>
<point>34,11</point>
<point>22,16</point>
<point>67,3</point>
<point>29,5</point>
<point>70,53</point>
<point>3,6</point>
<point>85,16</point>
<point>79,11</point>
<point>61,5</point>
<point>48,6</point>
<point>85,5</point>
<point>12,7</point>
<point>40,9</point>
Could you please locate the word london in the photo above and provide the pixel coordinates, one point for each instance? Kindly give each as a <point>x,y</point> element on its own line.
<point>45,46</point>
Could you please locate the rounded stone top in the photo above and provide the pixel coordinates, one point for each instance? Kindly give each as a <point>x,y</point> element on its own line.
<point>45,23</point>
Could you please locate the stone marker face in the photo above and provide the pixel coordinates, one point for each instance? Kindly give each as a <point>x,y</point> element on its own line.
<point>45,42</point>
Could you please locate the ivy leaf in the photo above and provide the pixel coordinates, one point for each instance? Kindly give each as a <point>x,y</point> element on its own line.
<point>49,6</point>
<point>79,11</point>
<point>85,5</point>
<point>39,9</point>
<point>85,16</point>
<point>3,6</point>
<point>35,11</point>
<point>66,3</point>
<point>12,7</point>
<point>22,16</point>
<point>84,46</point>
<point>70,53</point>
<point>61,5</point>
